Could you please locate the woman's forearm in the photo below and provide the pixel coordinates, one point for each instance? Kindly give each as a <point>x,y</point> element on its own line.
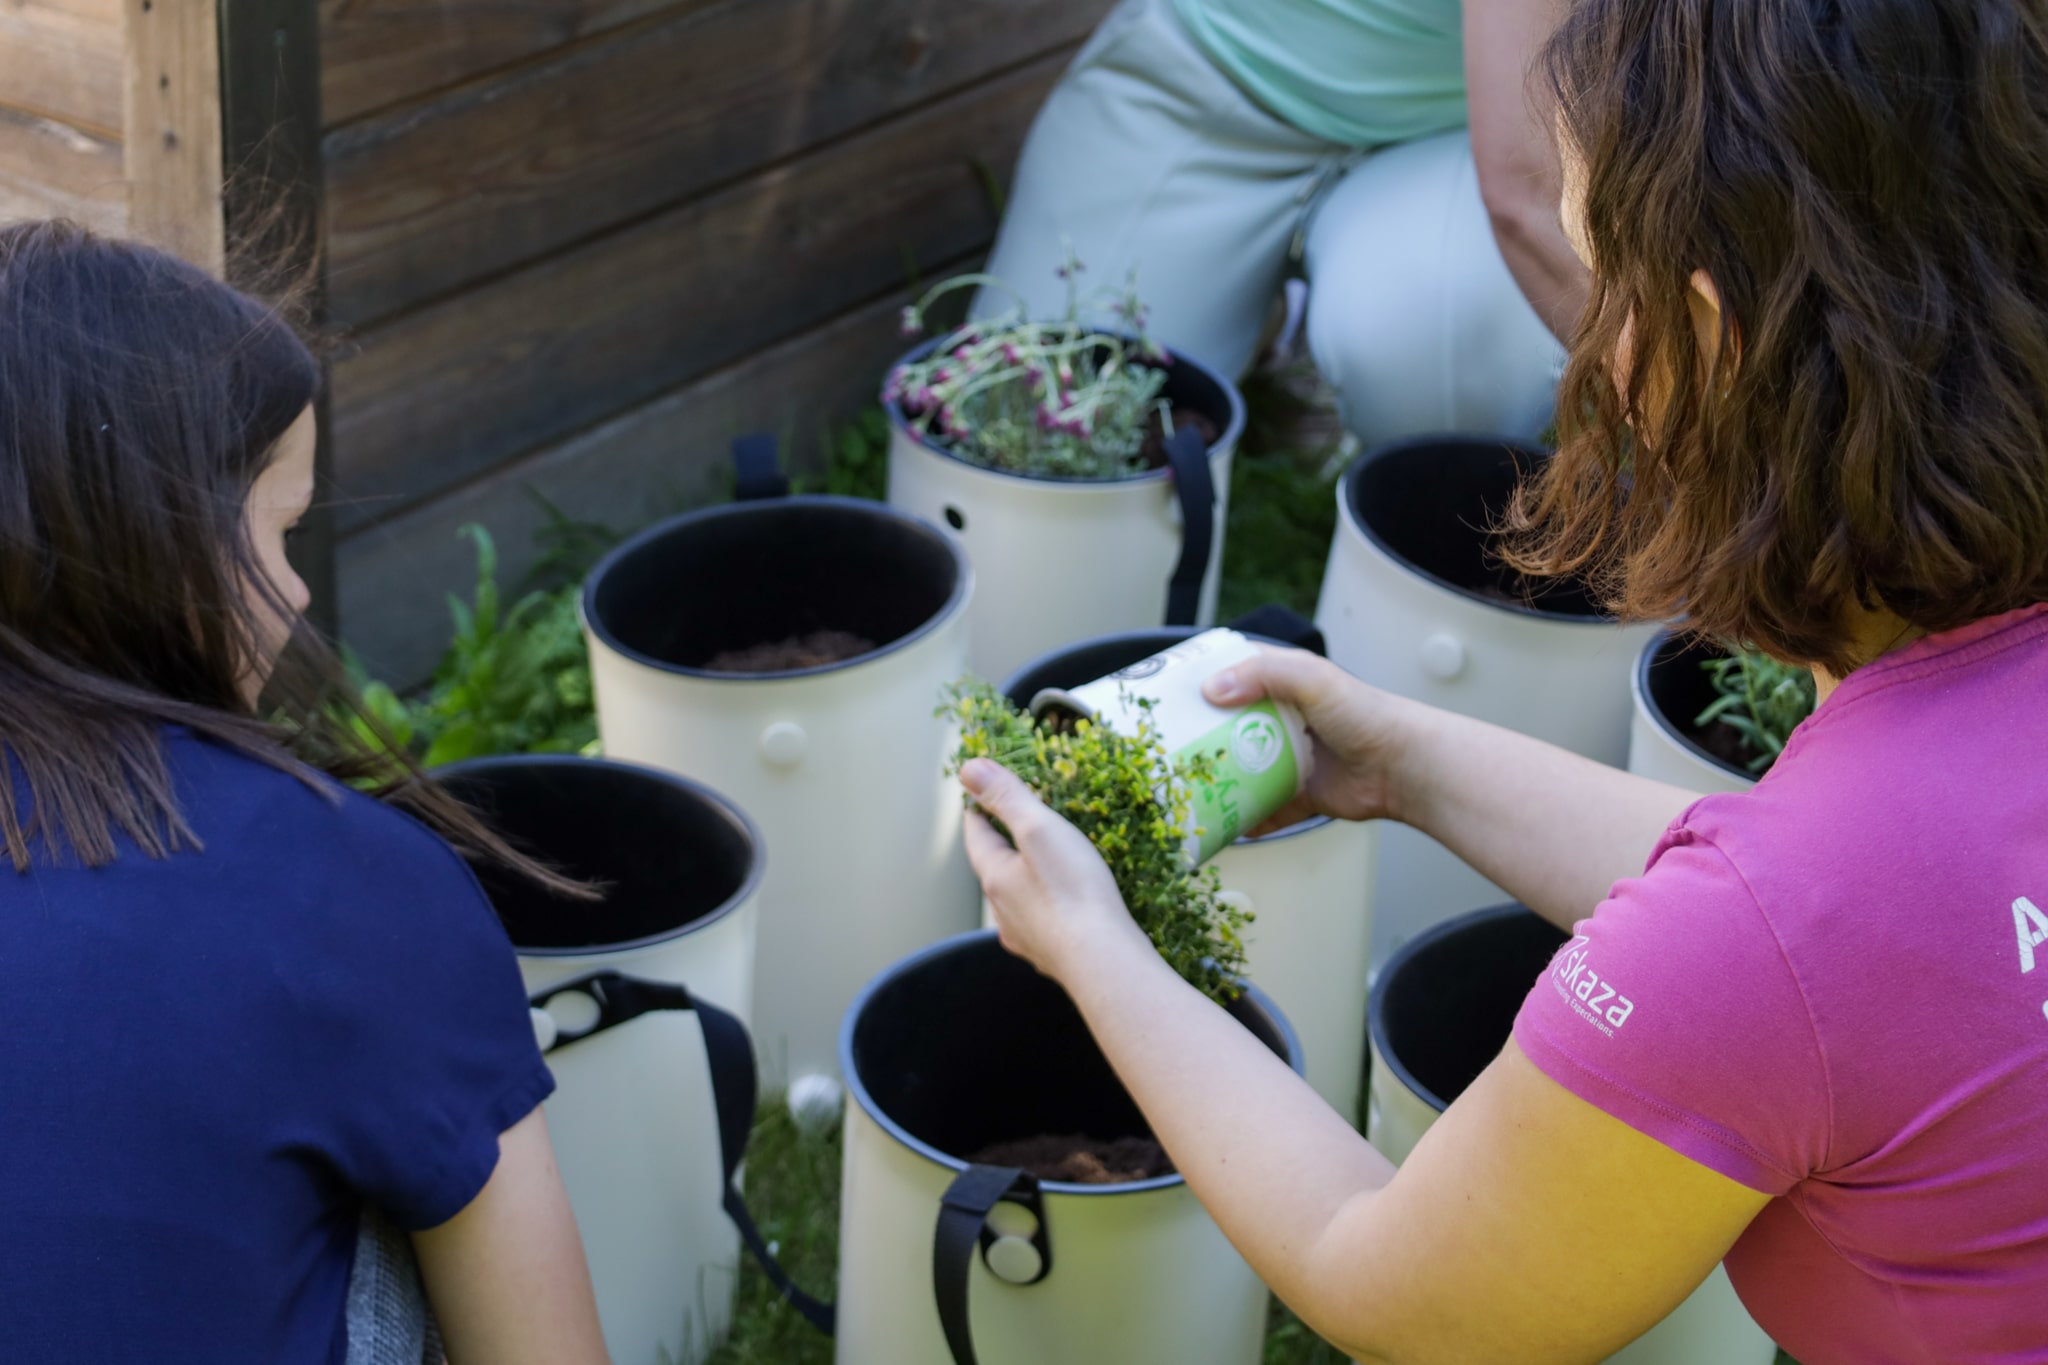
<point>1272,1163</point>
<point>1554,829</point>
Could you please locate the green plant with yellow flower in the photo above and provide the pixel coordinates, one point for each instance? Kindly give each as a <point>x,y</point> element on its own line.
<point>1122,792</point>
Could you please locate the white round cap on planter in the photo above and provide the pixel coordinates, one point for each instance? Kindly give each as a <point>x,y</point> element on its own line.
<point>840,764</point>
<point>1671,689</point>
<point>1442,1009</point>
<point>1414,602</point>
<point>1059,559</point>
<point>1309,887</point>
<point>634,1116</point>
<point>945,1262</point>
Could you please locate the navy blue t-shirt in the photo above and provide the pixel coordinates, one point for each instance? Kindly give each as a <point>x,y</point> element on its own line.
<point>209,1061</point>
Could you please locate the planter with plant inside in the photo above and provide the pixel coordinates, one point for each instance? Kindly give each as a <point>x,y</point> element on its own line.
<point>786,651</point>
<point>1417,601</point>
<point>1085,470</point>
<point>1712,720</point>
<point>1442,1009</point>
<point>1306,888</point>
<point>642,1066</point>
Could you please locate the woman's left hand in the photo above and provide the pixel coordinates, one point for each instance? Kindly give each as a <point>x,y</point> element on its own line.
<point>1052,894</point>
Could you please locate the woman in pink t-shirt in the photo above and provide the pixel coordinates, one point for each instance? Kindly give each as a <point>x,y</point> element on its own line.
<point>1819,240</point>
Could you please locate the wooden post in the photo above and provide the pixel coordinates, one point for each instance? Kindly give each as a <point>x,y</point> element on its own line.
<point>171,124</point>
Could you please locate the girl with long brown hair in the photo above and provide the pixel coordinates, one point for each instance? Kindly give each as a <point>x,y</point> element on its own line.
<point>252,986</point>
<point>1807,409</point>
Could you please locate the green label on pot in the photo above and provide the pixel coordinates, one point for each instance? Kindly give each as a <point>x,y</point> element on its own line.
<point>1256,774</point>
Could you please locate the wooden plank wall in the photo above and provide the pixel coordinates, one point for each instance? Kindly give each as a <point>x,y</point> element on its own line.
<point>61,112</point>
<point>580,244</point>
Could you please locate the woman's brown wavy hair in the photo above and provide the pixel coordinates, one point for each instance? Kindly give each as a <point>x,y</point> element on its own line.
<point>1866,181</point>
<point>139,400</point>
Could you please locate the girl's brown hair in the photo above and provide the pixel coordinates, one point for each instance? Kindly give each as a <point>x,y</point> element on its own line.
<point>1867,185</point>
<point>139,400</point>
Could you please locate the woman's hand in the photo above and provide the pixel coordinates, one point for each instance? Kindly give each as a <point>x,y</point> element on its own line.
<point>1052,894</point>
<point>1360,733</point>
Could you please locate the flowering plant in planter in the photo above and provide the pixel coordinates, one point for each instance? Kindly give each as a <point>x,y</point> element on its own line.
<point>1108,784</point>
<point>1060,399</point>
<point>1760,699</point>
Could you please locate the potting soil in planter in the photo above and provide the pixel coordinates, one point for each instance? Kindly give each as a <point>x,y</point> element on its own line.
<point>1672,689</point>
<point>1081,1160</point>
<point>815,650</point>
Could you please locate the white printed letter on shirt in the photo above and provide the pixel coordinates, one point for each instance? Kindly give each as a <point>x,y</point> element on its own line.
<point>2032,927</point>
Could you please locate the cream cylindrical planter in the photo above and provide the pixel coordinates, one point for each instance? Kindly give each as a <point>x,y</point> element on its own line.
<point>1059,559</point>
<point>1414,602</point>
<point>633,1117</point>
<point>1309,888</point>
<point>840,764</point>
<point>1442,1009</point>
<point>962,1046</point>
<point>1670,689</point>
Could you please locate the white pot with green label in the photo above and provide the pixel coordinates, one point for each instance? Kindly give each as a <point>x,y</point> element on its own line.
<point>1416,601</point>
<point>1308,887</point>
<point>1442,1009</point>
<point>840,762</point>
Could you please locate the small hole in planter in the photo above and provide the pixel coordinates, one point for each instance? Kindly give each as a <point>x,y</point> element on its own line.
<point>956,519</point>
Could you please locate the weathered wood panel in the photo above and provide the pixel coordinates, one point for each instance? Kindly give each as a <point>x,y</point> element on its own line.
<point>53,170</point>
<point>439,396</point>
<point>661,458</point>
<point>61,59</point>
<point>172,129</point>
<point>377,53</point>
<point>425,200</point>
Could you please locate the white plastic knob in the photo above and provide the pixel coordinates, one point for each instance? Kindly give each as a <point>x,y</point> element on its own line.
<point>783,744</point>
<point>1015,1259</point>
<point>572,1012</point>
<point>1011,1219</point>
<point>544,1030</point>
<point>1443,657</point>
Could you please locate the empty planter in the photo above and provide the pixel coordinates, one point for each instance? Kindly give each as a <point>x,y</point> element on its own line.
<point>1310,887</point>
<point>946,1262</point>
<point>839,761</point>
<point>634,1116</point>
<point>1671,690</point>
<point>1442,1010</point>
<point>1415,601</point>
<point>1058,559</point>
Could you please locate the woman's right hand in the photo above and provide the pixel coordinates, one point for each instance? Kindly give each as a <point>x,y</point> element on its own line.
<point>1358,731</point>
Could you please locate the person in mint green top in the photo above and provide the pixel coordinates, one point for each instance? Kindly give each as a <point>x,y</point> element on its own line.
<point>1207,144</point>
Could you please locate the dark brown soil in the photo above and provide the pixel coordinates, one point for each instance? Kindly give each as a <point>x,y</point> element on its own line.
<point>815,650</point>
<point>1154,449</point>
<point>1724,742</point>
<point>1081,1160</point>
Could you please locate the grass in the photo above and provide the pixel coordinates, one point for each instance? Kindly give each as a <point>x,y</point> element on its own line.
<point>793,1190</point>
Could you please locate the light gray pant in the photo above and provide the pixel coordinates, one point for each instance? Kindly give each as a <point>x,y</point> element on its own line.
<point>1146,155</point>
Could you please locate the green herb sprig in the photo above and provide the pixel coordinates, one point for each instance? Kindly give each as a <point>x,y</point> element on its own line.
<point>1760,699</point>
<point>1110,787</point>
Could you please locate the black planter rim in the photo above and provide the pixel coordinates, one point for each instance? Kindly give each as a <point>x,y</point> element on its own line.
<point>1233,429</point>
<point>857,1090</point>
<point>1661,646</point>
<point>1376,1006</point>
<point>723,805</point>
<point>1166,637</point>
<point>1347,506</point>
<point>956,601</point>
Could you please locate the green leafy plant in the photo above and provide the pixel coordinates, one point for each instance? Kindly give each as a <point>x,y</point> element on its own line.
<point>1121,792</point>
<point>1057,398</point>
<point>512,680</point>
<point>856,459</point>
<point>1760,699</point>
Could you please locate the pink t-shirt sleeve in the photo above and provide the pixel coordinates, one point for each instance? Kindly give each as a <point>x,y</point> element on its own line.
<point>1674,1010</point>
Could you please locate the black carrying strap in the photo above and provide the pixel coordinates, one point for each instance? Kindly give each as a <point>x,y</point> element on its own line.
<point>963,1231</point>
<point>757,469</point>
<point>1284,624</point>
<point>1195,485</point>
<point>734,1089</point>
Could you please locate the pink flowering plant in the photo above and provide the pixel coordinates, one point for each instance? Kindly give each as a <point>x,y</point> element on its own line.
<point>1059,399</point>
